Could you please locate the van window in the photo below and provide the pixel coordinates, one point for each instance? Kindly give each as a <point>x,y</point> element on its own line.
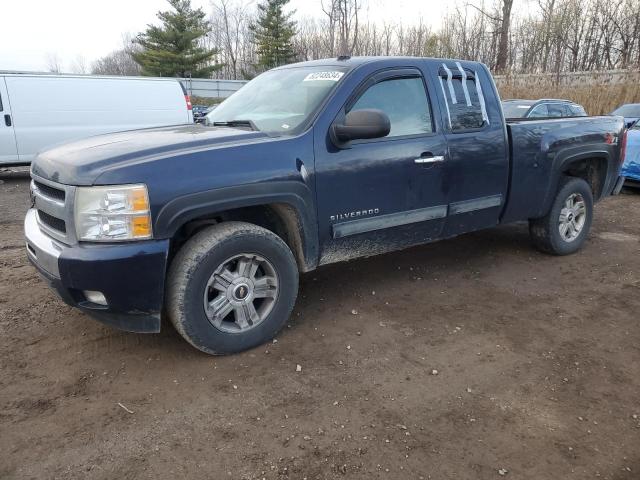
<point>463,94</point>
<point>404,100</point>
<point>0,103</point>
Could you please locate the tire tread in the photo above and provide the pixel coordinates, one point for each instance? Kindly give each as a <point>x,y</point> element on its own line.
<point>541,231</point>
<point>189,258</point>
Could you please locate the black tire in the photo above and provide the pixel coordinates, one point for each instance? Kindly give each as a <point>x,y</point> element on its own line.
<point>545,232</point>
<point>194,265</point>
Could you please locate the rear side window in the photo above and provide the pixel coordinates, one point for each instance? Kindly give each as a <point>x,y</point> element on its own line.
<point>557,110</point>
<point>539,111</point>
<point>465,102</point>
<point>578,111</point>
<point>405,102</point>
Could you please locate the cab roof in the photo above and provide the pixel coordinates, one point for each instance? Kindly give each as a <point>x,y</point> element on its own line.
<point>353,62</point>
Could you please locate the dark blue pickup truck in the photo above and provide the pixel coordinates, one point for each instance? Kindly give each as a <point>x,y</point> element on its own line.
<point>308,164</point>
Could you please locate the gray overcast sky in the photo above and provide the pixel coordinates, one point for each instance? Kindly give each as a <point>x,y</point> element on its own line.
<point>32,29</point>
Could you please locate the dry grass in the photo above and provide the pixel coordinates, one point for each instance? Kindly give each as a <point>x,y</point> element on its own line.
<point>596,99</point>
<point>208,101</point>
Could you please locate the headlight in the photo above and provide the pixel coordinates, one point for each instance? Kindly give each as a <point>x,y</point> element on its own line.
<point>112,213</point>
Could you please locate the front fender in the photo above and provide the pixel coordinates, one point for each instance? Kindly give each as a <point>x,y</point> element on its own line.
<point>297,195</point>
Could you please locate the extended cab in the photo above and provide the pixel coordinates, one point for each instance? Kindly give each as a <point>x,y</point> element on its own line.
<point>308,164</point>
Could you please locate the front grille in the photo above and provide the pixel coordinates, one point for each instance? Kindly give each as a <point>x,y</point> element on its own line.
<point>52,222</point>
<point>54,204</point>
<point>50,192</point>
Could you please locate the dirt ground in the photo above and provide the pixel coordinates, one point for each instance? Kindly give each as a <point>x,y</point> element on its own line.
<point>474,358</point>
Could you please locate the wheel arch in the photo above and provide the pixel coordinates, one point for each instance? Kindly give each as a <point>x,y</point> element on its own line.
<point>285,208</point>
<point>590,164</point>
<point>590,167</point>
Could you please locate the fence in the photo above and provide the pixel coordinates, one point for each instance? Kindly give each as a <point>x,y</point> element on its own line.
<point>211,88</point>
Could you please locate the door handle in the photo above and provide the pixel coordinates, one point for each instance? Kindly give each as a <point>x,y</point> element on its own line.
<point>7,120</point>
<point>434,159</point>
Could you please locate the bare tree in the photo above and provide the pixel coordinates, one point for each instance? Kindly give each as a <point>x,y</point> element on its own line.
<point>503,43</point>
<point>118,62</point>
<point>343,18</point>
<point>54,63</point>
<point>79,65</point>
<point>551,36</point>
<point>231,37</point>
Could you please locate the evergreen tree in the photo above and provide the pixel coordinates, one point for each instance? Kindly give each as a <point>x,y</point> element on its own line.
<point>174,49</point>
<point>273,32</point>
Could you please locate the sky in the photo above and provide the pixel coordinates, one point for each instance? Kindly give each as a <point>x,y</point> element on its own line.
<point>84,30</point>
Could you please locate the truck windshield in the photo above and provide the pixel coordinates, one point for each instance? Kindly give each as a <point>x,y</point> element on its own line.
<point>278,101</point>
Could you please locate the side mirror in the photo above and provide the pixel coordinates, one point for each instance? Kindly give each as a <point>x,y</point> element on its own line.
<point>362,124</point>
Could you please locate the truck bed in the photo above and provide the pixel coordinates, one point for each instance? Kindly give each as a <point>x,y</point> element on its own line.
<point>538,149</point>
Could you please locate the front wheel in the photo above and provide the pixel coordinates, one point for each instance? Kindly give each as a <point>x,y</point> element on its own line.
<point>565,228</point>
<point>231,287</point>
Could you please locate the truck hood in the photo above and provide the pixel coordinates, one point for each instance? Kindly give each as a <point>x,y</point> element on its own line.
<point>83,161</point>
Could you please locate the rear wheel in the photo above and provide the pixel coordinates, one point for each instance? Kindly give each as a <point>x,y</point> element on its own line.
<point>565,228</point>
<point>231,287</point>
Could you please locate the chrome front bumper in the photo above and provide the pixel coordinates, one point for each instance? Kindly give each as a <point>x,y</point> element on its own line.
<point>41,249</point>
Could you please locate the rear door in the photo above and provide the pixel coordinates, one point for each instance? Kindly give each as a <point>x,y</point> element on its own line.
<point>8,147</point>
<point>477,167</point>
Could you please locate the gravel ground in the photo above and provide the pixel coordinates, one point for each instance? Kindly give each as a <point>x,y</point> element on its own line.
<point>474,358</point>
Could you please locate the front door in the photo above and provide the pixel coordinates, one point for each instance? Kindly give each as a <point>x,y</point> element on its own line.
<point>383,194</point>
<point>8,147</point>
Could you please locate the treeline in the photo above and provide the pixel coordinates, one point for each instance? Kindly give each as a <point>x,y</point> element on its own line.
<point>511,36</point>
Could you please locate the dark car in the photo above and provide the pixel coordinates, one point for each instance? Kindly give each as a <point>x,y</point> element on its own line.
<point>199,111</point>
<point>308,164</point>
<point>545,108</point>
<point>630,112</point>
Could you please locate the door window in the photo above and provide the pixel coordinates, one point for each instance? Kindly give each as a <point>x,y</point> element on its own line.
<point>405,102</point>
<point>463,94</point>
<point>556,110</point>
<point>540,111</point>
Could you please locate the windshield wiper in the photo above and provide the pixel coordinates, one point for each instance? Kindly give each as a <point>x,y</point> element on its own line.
<point>237,123</point>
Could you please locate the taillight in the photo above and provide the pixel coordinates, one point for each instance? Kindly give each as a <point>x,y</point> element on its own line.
<point>188,100</point>
<point>623,146</point>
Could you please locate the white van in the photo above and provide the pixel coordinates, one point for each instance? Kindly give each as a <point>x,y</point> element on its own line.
<point>40,110</point>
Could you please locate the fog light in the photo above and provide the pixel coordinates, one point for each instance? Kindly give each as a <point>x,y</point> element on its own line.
<point>95,297</point>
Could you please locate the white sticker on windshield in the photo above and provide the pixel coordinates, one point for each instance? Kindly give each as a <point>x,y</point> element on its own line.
<point>331,76</point>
